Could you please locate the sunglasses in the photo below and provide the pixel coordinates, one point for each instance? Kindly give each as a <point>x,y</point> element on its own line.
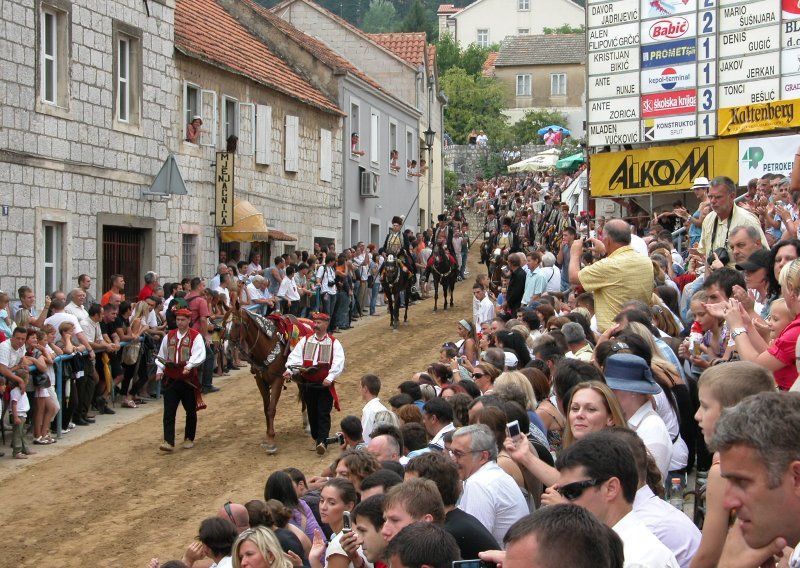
<point>573,491</point>
<point>227,507</point>
<point>477,376</point>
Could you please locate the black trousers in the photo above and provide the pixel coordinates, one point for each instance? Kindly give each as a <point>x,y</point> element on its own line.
<point>319,403</point>
<point>177,393</point>
<point>85,387</point>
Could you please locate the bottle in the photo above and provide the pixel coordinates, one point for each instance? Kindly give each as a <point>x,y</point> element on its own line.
<point>676,493</point>
<point>695,339</point>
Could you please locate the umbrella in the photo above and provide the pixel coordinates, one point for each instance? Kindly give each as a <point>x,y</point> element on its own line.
<point>554,127</point>
<point>570,161</point>
<point>544,161</point>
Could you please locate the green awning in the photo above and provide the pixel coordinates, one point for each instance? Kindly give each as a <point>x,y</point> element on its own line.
<point>570,161</point>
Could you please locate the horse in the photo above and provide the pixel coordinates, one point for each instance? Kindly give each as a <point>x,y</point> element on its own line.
<point>445,271</point>
<point>395,280</point>
<point>265,342</point>
<point>497,263</point>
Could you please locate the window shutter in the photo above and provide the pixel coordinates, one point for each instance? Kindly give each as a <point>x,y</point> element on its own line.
<point>247,134</point>
<point>263,135</point>
<point>374,137</point>
<point>208,105</point>
<point>325,159</point>
<point>291,149</point>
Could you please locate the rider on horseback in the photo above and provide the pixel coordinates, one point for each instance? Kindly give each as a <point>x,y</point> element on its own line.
<point>506,240</point>
<point>397,245</point>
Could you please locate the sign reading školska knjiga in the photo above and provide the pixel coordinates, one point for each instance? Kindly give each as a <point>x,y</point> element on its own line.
<point>663,168</point>
<point>759,117</point>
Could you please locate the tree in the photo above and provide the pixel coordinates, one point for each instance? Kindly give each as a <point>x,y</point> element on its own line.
<point>474,102</point>
<point>419,20</point>
<point>526,129</point>
<point>380,18</point>
<point>448,53</point>
<point>565,29</point>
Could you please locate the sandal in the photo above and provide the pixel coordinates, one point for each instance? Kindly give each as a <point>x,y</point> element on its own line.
<point>139,401</point>
<point>20,456</point>
<point>50,439</point>
<point>129,404</point>
<point>42,441</point>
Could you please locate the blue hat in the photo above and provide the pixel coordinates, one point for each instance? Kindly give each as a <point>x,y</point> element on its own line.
<point>630,373</point>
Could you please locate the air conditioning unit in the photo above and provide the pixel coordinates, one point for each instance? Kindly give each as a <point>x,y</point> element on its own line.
<point>369,184</point>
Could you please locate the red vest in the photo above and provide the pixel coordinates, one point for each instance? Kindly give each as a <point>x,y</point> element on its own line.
<point>324,358</point>
<point>180,353</point>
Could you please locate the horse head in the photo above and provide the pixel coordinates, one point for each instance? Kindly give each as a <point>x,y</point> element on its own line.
<point>258,338</point>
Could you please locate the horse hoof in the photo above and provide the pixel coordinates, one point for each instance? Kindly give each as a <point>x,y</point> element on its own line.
<point>271,450</point>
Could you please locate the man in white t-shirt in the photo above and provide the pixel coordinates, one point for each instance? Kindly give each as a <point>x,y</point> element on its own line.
<point>484,310</point>
<point>77,306</point>
<point>288,293</point>
<point>260,298</point>
<point>12,358</point>
<point>374,412</point>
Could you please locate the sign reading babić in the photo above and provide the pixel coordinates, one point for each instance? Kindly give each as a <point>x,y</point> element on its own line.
<point>663,168</point>
<point>223,189</point>
<point>759,117</point>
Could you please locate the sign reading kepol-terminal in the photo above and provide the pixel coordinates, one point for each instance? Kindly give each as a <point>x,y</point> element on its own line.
<point>758,117</point>
<point>223,189</point>
<point>662,168</point>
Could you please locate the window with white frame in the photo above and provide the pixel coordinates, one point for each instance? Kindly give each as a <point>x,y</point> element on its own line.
<point>263,135</point>
<point>230,119</point>
<point>53,251</point>
<point>394,151</point>
<point>523,31</point>
<point>191,104</point>
<point>188,256</point>
<point>524,85</point>
<point>374,136</point>
<point>483,38</point>
<point>558,84</point>
<point>54,42</point>
<point>127,74</point>
<point>355,129</point>
<point>523,5</point>
<point>409,153</point>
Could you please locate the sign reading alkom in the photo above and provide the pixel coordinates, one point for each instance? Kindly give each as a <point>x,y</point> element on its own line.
<point>665,168</point>
<point>223,189</point>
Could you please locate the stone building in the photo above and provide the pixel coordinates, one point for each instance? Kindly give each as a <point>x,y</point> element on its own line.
<point>96,98</point>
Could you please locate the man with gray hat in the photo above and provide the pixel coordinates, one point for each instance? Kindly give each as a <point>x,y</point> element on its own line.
<point>630,378</point>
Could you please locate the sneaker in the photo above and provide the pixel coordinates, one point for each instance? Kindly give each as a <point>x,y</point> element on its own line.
<point>188,444</point>
<point>166,447</point>
<point>107,410</point>
<point>71,426</point>
<point>20,456</point>
<point>321,449</point>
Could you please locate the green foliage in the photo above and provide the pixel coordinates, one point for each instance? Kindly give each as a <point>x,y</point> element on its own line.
<point>492,165</point>
<point>380,18</point>
<point>448,54</point>
<point>474,102</point>
<point>565,29</point>
<point>526,129</point>
<point>419,19</point>
<point>450,188</point>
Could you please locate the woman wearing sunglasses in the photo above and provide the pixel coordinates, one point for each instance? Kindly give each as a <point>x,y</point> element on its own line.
<point>483,376</point>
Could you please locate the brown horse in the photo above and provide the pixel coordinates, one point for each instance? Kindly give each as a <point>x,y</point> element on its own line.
<point>265,342</point>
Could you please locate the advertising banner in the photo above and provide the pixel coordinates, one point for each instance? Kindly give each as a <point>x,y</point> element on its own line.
<point>663,168</point>
<point>768,155</point>
<point>223,189</point>
<point>759,117</point>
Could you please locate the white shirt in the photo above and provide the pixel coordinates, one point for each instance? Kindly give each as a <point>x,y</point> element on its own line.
<point>57,319</point>
<point>641,548</point>
<point>494,498</point>
<point>672,527</point>
<point>226,562</point>
<point>326,276</point>
<point>485,312</point>
<point>337,362</point>
<point>8,356</point>
<point>680,451</point>
<point>794,561</point>
<point>288,290</point>
<point>165,306</point>
<point>225,293</point>
<point>198,353</point>
<point>21,398</point>
<point>651,429</point>
<point>77,311</point>
<point>370,410</point>
<point>437,439</point>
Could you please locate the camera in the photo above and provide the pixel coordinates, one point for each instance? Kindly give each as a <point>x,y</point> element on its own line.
<point>722,254</point>
<point>337,439</point>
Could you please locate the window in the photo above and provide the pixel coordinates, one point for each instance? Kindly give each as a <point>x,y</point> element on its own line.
<point>325,155</point>
<point>53,250</point>
<point>523,85</point>
<point>523,5</point>
<point>374,233</point>
<point>558,84</point>
<point>374,137</point>
<point>191,104</point>
<point>523,31</point>
<point>409,152</point>
<point>355,131</point>
<point>292,147</point>
<point>230,119</point>
<point>394,152</point>
<point>189,256</point>
<point>127,75</point>
<point>353,230</point>
<point>483,38</point>
<point>53,68</point>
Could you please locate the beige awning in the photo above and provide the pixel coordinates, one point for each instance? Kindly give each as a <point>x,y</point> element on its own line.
<point>277,235</point>
<point>248,224</point>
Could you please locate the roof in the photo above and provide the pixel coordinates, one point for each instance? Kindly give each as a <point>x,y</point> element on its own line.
<point>204,30</point>
<point>285,4</point>
<point>311,44</point>
<point>447,9</point>
<point>549,49</point>
<point>408,45</point>
<point>488,65</point>
<point>432,57</point>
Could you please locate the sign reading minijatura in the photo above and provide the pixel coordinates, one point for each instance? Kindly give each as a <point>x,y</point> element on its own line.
<point>223,189</point>
<point>663,168</point>
<point>758,117</point>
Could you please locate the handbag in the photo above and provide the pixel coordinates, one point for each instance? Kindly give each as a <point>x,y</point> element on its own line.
<point>130,353</point>
<point>370,281</point>
<point>40,380</point>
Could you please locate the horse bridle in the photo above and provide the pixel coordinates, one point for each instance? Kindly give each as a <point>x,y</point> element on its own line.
<point>439,255</point>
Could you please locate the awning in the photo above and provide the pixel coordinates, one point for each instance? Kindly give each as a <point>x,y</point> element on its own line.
<point>570,161</point>
<point>248,224</point>
<point>540,162</point>
<point>277,235</point>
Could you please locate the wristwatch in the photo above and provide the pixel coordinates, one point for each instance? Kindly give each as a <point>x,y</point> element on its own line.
<point>737,331</point>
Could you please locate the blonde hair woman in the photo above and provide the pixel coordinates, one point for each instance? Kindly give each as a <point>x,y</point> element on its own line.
<point>259,548</point>
<point>518,379</point>
<point>592,407</point>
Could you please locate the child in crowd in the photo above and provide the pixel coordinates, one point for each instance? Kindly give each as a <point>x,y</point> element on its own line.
<point>720,387</point>
<point>20,405</point>
<point>714,343</point>
<point>5,317</point>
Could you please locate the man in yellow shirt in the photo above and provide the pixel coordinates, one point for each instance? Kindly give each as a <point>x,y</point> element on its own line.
<point>622,275</point>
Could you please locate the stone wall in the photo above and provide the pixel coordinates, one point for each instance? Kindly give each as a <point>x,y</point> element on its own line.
<point>465,160</point>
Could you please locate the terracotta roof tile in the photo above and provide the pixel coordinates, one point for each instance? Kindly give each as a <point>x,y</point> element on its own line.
<point>432,56</point>
<point>488,65</point>
<point>447,9</point>
<point>203,29</point>
<point>548,49</point>
<point>408,45</point>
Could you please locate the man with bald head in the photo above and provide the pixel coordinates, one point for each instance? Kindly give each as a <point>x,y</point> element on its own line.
<point>621,275</point>
<point>384,448</point>
<point>236,514</point>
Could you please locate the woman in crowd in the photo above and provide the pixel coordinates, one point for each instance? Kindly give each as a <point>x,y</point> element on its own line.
<point>469,346</point>
<point>592,407</point>
<point>442,374</point>
<point>279,486</point>
<point>511,341</point>
<point>134,324</point>
<point>336,497</point>
<point>259,548</point>
<point>410,413</point>
<point>354,466</point>
<point>484,375</point>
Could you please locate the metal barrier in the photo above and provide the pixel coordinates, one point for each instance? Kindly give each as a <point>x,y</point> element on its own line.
<point>678,233</point>
<point>59,373</point>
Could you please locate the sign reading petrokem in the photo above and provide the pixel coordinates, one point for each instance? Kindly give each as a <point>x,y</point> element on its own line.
<point>759,117</point>
<point>663,168</point>
<point>767,155</point>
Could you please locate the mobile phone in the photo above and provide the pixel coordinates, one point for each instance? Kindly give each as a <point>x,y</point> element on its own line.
<point>513,429</point>
<point>477,563</point>
<point>346,527</point>
<point>462,360</point>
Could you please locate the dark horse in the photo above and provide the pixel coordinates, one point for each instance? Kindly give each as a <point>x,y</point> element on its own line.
<point>265,343</point>
<point>445,272</point>
<point>497,263</point>
<point>395,280</point>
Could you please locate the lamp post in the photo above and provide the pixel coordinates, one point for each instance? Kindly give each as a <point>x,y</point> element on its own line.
<point>429,136</point>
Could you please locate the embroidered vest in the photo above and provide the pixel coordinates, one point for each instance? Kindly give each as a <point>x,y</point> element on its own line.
<point>394,243</point>
<point>179,352</point>
<point>324,351</point>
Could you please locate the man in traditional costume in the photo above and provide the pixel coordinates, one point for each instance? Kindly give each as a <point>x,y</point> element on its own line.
<point>397,244</point>
<point>182,352</point>
<point>323,355</point>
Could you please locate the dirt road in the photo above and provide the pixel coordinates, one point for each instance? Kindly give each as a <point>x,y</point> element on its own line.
<point>118,501</point>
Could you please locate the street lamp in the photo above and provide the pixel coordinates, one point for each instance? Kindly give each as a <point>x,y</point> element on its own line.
<point>429,136</point>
